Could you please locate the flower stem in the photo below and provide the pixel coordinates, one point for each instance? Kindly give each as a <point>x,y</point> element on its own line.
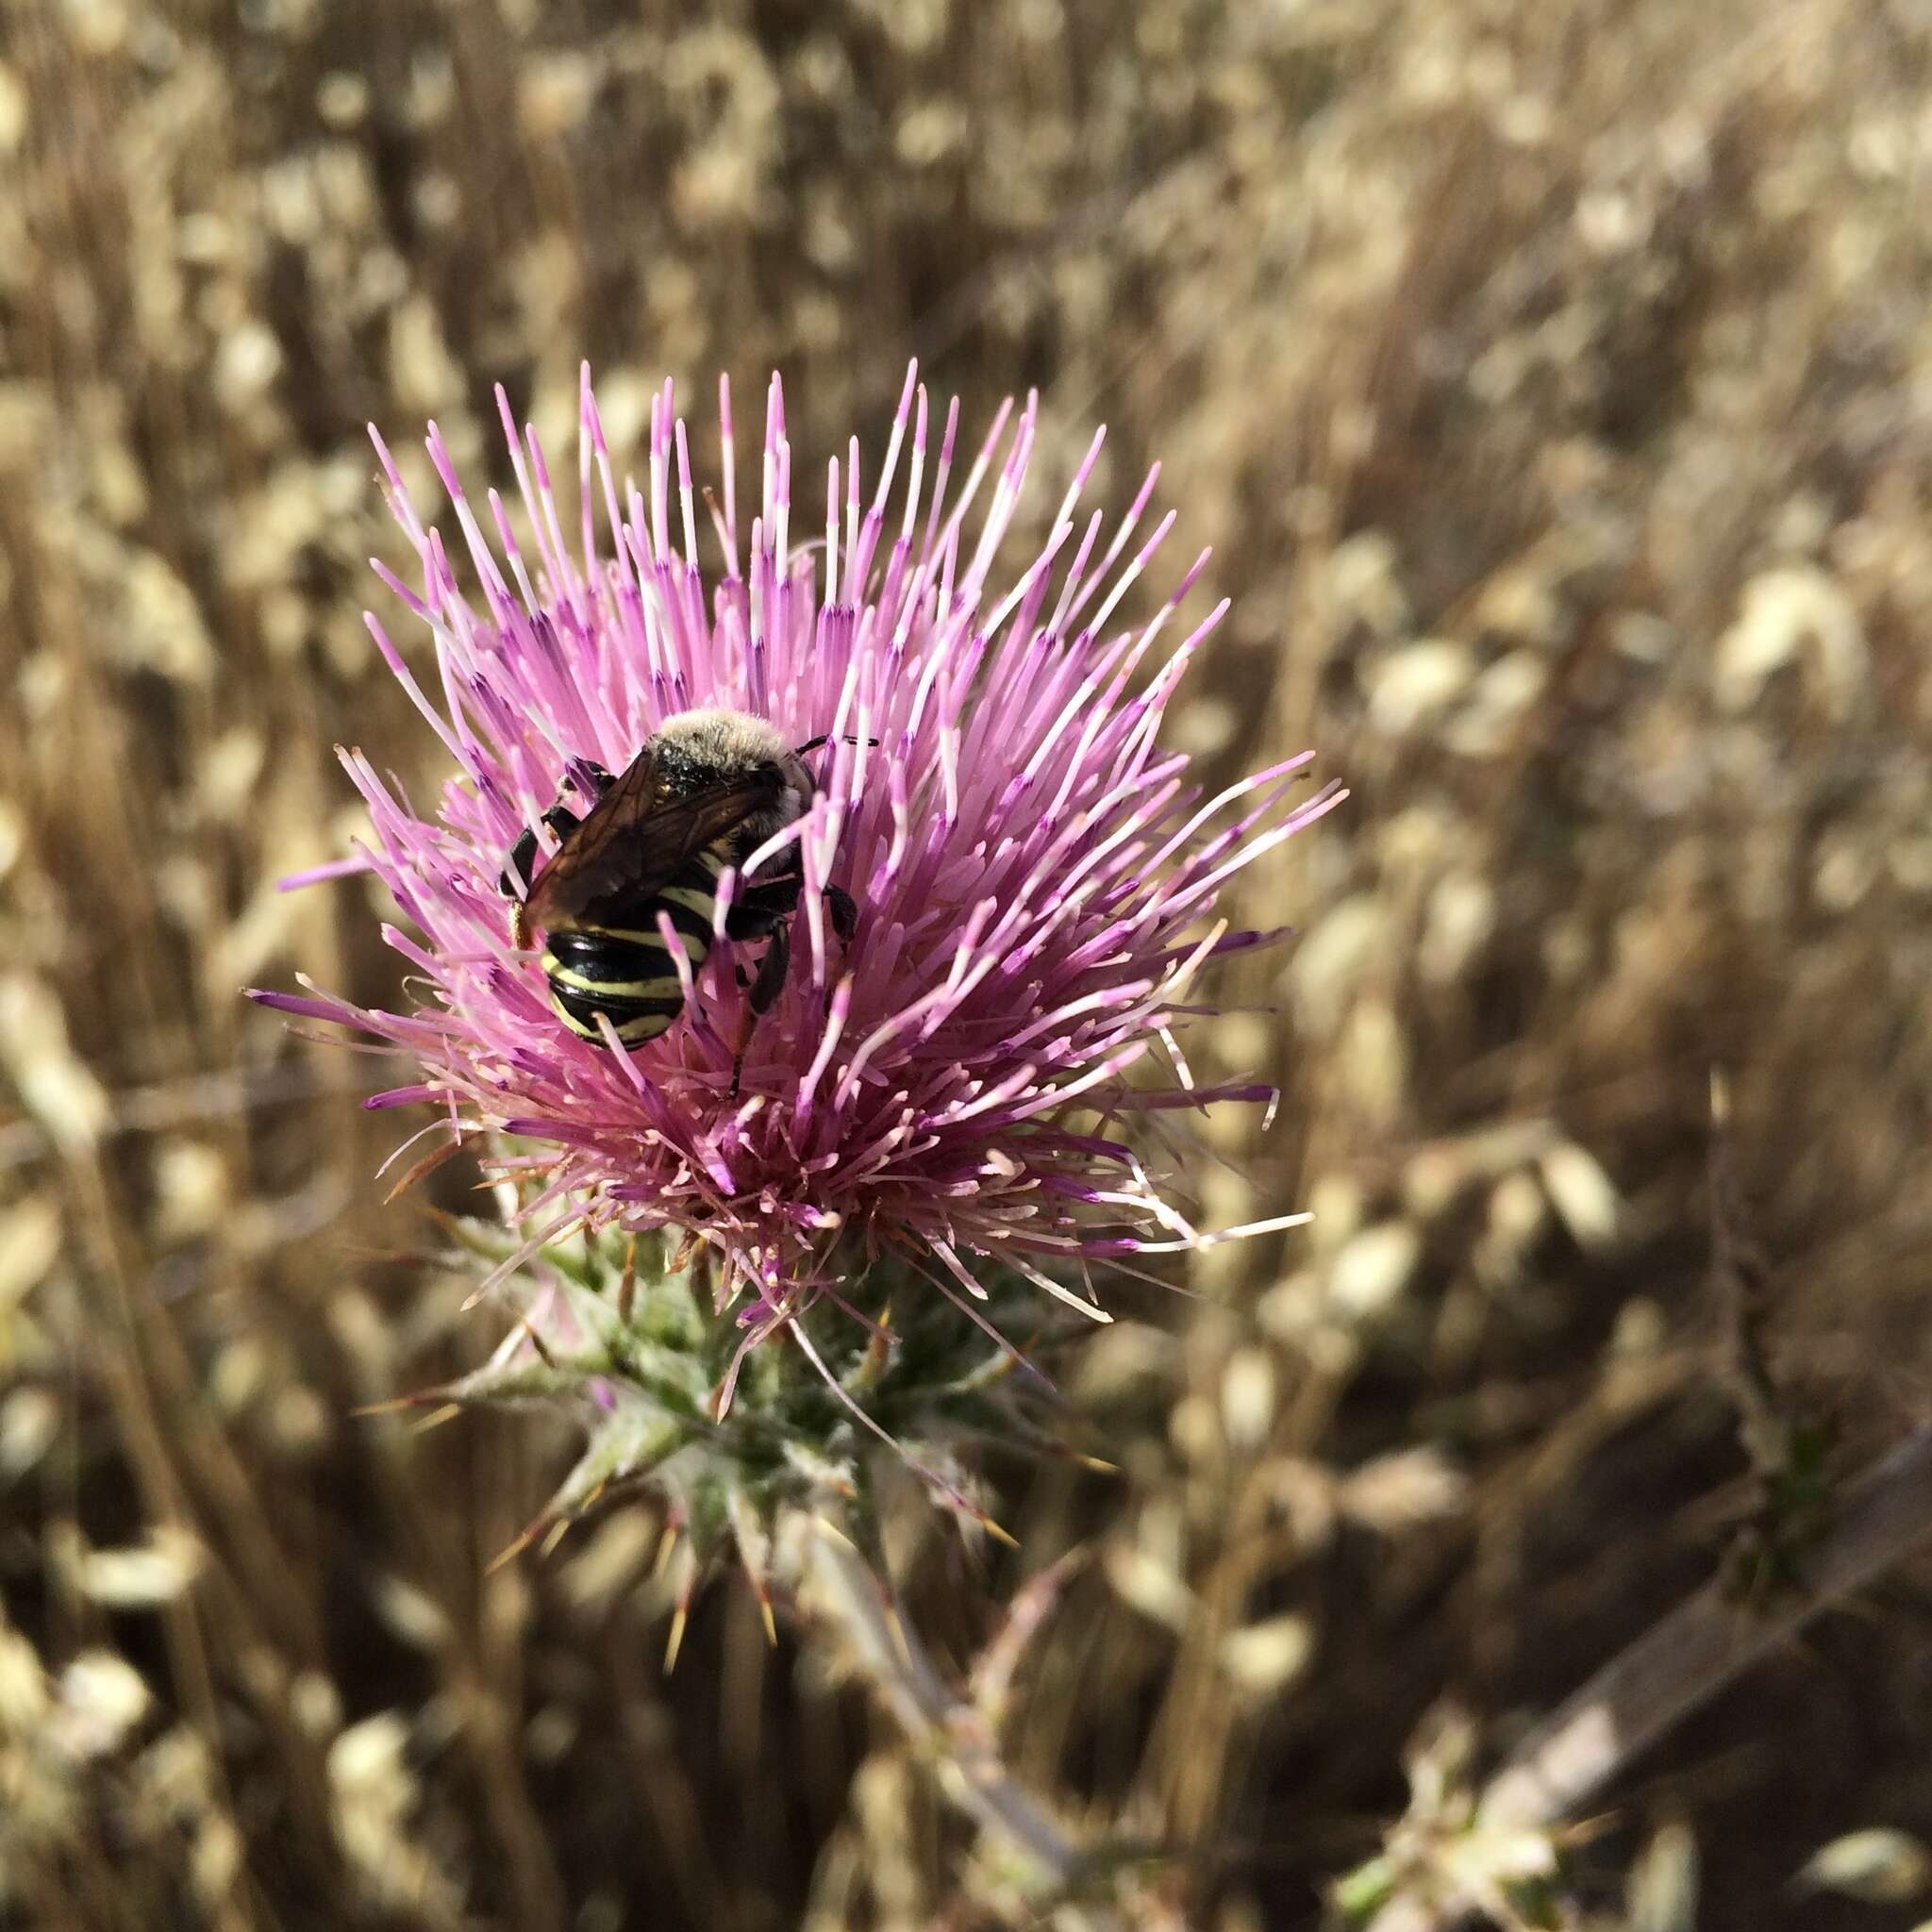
<point>847,1594</point>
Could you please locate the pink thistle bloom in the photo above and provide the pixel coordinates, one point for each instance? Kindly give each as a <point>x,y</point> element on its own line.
<point>1035,880</point>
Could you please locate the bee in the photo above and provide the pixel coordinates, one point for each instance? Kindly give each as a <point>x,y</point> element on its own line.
<point>706,791</point>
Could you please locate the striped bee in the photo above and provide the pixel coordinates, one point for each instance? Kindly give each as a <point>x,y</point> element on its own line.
<point>706,789</point>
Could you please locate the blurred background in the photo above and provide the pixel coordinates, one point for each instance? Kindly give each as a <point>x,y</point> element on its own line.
<point>1552,381</point>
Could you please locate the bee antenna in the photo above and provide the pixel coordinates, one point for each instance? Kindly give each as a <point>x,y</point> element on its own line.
<point>826,737</point>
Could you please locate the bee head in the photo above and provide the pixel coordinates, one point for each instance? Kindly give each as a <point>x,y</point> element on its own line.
<point>702,748</point>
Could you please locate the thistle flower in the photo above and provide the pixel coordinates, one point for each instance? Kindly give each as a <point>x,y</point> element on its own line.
<point>952,1094</point>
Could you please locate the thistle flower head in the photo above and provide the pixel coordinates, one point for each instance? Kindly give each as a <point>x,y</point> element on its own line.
<point>957,1085</point>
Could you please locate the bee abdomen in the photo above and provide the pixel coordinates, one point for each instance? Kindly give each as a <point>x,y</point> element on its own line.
<point>626,975</point>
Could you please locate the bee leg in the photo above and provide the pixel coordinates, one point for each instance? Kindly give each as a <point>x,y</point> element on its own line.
<point>765,990</point>
<point>844,915</point>
<point>844,911</point>
<point>521,856</point>
<point>521,869</point>
<point>519,860</point>
<point>772,969</point>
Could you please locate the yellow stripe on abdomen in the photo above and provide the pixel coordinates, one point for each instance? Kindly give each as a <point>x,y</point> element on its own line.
<point>692,899</point>
<point>665,986</point>
<point>692,949</point>
<point>636,1031</point>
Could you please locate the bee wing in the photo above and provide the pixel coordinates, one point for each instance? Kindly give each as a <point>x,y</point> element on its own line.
<point>635,839</point>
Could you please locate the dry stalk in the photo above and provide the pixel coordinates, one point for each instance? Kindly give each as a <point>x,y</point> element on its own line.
<point>1684,1661</point>
<point>849,1596</point>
